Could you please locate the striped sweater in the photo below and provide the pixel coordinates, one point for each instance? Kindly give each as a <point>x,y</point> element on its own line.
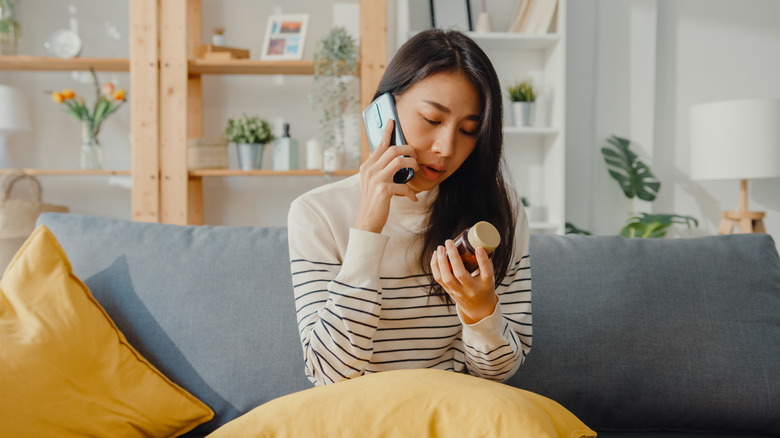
<point>362,303</point>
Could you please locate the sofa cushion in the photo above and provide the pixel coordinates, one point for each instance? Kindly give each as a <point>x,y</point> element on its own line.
<point>65,369</point>
<point>647,334</point>
<point>211,307</point>
<point>409,403</point>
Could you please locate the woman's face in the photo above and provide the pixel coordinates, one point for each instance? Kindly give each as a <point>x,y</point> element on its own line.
<point>439,117</point>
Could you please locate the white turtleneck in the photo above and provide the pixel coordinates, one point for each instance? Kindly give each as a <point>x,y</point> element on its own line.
<point>362,299</point>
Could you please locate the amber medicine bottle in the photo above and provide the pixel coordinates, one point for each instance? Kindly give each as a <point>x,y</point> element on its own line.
<point>482,234</point>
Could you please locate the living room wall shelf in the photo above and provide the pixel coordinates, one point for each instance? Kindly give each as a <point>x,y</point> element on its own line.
<point>264,172</point>
<point>513,41</point>
<point>50,63</point>
<point>535,156</point>
<point>250,67</point>
<point>533,131</point>
<point>67,172</point>
<point>543,227</point>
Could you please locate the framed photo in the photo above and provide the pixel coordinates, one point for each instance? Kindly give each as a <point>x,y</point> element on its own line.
<point>451,14</point>
<point>285,36</point>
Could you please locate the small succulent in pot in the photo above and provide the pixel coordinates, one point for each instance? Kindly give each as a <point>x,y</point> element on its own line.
<point>249,130</point>
<point>522,92</point>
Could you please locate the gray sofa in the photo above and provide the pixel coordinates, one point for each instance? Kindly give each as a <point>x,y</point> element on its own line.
<point>638,338</point>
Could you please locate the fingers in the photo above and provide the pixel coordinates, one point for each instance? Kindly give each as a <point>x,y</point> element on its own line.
<point>387,136</point>
<point>447,267</point>
<point>485,270</point>
<point>450,272</point>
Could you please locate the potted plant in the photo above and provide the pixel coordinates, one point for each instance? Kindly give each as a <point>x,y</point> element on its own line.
<point>523,96</point>
<point>636,181</point>
<point>335,90</point>
<point>250,134</point>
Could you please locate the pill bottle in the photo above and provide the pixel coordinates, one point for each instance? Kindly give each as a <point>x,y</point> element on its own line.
<point>482,234</point>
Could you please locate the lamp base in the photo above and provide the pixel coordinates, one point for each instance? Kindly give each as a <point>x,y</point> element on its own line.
<point>746,222</point>
<point>5,158</point>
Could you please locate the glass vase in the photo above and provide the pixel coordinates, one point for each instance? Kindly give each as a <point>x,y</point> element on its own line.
<point>10,32</point>
<point>91,153</point>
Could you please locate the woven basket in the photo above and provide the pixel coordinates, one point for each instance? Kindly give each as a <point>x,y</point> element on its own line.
<point>18,216</point>
<point>207,153</point>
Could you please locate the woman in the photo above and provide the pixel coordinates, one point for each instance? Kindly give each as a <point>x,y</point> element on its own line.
<point>378,283</point>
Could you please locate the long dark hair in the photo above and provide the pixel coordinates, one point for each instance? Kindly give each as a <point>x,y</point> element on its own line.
<point>477,190</point>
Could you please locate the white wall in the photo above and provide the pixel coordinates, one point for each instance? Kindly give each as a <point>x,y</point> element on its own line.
<point>702,51</point>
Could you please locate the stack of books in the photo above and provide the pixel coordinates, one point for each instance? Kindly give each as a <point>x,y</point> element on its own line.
<point>535,17</point>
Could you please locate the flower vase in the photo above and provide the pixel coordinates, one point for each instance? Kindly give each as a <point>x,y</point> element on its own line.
<point>10,33</point>
<point>91,154</point>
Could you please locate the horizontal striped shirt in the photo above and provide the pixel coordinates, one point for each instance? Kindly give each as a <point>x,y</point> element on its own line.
<point>362,301</point>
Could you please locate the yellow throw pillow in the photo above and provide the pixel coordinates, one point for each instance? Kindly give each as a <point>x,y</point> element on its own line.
<point>409,403</point>
<point>65,368</point>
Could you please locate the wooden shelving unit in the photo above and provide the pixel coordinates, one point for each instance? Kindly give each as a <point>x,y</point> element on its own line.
<point>143,66</point>
<point>48,63</point>
<point>166,102</point>
<point>249,67</point>
<point>69,172</point>
<point>181,105</point>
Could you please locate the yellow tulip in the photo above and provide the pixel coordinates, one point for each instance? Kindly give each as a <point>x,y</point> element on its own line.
<point>68,93</point>
<point>57,97</point>
<point>119,94</point>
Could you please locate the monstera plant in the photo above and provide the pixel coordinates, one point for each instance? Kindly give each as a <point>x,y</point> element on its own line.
<point>637,181</point>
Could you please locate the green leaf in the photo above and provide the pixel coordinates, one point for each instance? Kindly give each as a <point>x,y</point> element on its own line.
<point>642,230</point>
<point>655,225</point>
<point>100,111</point>
<point>571,229</point>
<point>634,177</point>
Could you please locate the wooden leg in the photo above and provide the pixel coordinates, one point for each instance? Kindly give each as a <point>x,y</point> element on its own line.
<point>726,226</point>
<point>758,226</point>
<point>746,221</point>
<point>745,225</point>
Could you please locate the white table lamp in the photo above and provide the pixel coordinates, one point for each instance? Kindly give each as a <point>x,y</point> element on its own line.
<point>13,118</point>
<point>737,139</point>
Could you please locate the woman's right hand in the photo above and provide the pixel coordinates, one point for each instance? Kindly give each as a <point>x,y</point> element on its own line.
<point>376,181</point>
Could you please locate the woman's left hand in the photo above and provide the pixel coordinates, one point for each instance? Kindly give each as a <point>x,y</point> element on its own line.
<point>473,293</point>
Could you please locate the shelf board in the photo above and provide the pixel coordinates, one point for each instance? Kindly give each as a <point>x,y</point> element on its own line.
<point>536,131</point>
<point>68,172</point>
<point>513,40</point>
<point>542,226</point>
<point>250,67</point>
<point>50,63</point>
<point>264,172</point>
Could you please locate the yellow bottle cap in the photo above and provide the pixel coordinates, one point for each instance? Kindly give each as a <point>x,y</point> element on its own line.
<point>484,234</point>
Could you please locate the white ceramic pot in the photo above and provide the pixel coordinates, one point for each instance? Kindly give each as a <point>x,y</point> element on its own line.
<point>523,113</point>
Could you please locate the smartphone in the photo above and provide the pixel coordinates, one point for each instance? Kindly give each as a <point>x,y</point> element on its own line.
<point>375,118</point>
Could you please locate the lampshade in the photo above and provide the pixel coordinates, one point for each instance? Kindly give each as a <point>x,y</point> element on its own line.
<point>737,139</point>
<point>13,110</point>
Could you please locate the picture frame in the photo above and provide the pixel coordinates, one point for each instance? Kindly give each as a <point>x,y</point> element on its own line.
<point>285,37</point>
<point>451,14</point>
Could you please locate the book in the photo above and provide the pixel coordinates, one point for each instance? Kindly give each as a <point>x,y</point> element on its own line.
<point>519,15</point>
<point>546,14</point>
<point>531,20</point>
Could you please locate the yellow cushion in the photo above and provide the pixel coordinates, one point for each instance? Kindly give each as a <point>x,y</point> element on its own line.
<point>409,403</point>
<point>65,368</point>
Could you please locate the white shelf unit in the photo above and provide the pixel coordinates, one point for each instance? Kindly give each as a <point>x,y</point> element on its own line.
<point>535,155</point>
